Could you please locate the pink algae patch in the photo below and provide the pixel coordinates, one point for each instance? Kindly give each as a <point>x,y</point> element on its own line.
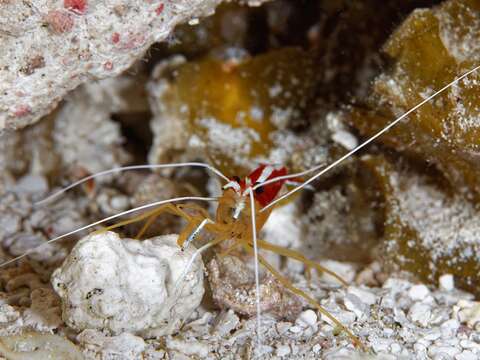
<point>108,65</point>
<point>159,9</point>
<point>115,37</point>
<point>22,110</point>
<point>78,6</point>
<point>133,40</point>
<point>59,21</point>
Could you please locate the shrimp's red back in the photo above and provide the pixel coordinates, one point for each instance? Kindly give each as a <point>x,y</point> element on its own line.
<point>267,193</point>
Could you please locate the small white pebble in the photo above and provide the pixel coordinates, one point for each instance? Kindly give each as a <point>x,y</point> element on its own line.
<point>388,302</point>
<point>261,351</point>
<point>226,322</point>
<point>192,347</point>
<point>8,313</point>
<point>32,184</point>
<point>380,345</point>
<point>396,285</point>
<point>296,329</point>
<point>119,202</point>
<point>395,348</point>
<point>420,347</point>
<point>346,271</point>
<point>346,139</point>
<point>418,292</point>
<point>466,355</point>
<point>193,21</point>
<point>449,328</point>
<point>420,313</point>
<point>468,312</point>
<point>307,318</point>
<point>399,316</point>
<point>364,295</point>
<point>468,344</point>
<point>345,317</point>
<point>282,327</point>
<point>435,350</point>
<point>388,332</point>
<point>424,341</point>
<point>446,282</point>
<point>355,305</point>
<point>432,335</point>
<point>282,350</point>
<point>339,353</point>
<point>451,342</point>
<point>316,348</point>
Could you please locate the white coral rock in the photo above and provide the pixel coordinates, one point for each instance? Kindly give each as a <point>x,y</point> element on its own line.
<point>125,285</point>
<point>57,47</point>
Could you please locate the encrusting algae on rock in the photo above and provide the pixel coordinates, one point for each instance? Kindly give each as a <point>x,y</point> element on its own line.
<point>427,51</point>
<point>228,106</point>
<point>430,217</point>
<point>427,231</point>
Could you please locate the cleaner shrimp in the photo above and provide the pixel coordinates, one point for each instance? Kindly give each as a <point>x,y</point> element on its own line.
<point>243,208</point>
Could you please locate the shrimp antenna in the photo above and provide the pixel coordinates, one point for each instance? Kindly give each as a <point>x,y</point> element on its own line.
<point>132,167</point>
<point>362,145</point>
<point>146,206</point>
<point>257,274</point>
<point>180,283</point>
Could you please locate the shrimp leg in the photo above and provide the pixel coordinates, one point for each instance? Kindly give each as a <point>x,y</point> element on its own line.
<point>299,257</point>
<point>150,216</point>
<point>285,282</point>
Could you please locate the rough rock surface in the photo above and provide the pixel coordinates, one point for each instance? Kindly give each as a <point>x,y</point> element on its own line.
<point>123,285</point>
<point>51,47</point>
<point>78,139</point>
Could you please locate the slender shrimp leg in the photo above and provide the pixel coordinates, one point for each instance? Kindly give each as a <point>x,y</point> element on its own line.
<point>285,282</point>
<point>279,250</point>
<point>194,222</point>
<point>150,215</point>
<point>290,254</point>
<point>299,257</point>
<point>194,207</point>
<point>131,220</point>
<point>178,210</point>
<point>167,208</point>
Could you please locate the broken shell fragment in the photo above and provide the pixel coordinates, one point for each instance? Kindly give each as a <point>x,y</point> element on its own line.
<point>36,346</point>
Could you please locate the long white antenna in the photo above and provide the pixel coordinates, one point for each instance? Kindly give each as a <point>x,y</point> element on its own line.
<point>191,261</point>
<point>156,203</point>
<point>127,168</point>
<point>365,143</point>
<point>257,273</point>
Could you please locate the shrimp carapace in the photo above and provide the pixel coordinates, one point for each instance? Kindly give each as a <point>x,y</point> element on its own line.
<point>233,201</point>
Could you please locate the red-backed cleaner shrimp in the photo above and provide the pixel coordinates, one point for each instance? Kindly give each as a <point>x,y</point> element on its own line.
<point>243,209</point>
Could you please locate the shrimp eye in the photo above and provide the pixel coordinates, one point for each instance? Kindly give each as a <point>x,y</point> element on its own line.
<point>259,190</point>
<point>236,178</point>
